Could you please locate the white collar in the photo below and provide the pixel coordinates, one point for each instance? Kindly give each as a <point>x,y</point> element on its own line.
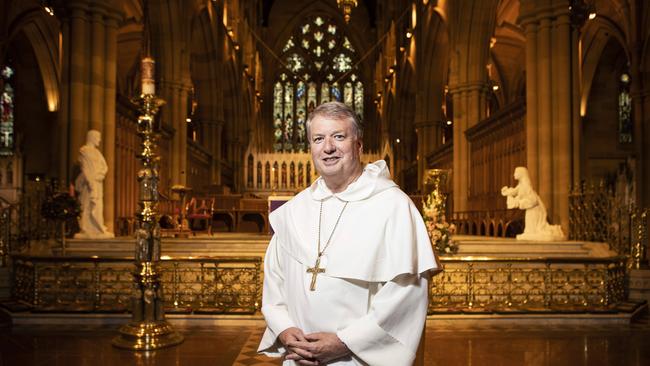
<point>374,179</point>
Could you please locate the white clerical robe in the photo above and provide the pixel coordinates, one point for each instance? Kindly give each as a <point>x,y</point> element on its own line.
<point>373,293</point>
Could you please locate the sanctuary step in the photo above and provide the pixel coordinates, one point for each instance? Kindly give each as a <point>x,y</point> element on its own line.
<point>220,244</point>
<point>471,245</point>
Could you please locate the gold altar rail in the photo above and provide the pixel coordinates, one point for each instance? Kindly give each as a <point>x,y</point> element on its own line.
<point>233,285</point>
<point>93,284</point>
<point>529,285</point>
<point>597,213</point>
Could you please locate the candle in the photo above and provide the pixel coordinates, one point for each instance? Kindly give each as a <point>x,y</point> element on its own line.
<point>147,69</point>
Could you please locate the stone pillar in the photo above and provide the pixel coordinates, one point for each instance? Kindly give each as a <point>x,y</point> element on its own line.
<point>469,108</point>
<point>460,157</point>
<point>109,130</point>
<point>563,67</point>
<point>640,93</point>
<point>216,153</point>
<point>175,114</point>
<point>97,69</point>
<point>532,153</point>
<point>64,113</point>
<point>428,140</point>
<point>544,115</point>
<point>77,122</point>
<point>553,133</point>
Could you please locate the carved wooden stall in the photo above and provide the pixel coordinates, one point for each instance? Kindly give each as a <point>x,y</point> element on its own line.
<point>497,146</point>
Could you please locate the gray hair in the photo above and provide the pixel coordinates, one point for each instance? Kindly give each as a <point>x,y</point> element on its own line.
<point>338,111</point>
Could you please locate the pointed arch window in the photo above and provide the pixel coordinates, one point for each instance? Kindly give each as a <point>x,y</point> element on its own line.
<point>6,112</point>
<point>625,128</point>
<point>319,67</point>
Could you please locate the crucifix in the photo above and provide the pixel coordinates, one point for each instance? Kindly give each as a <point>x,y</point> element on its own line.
<point>314,272</point>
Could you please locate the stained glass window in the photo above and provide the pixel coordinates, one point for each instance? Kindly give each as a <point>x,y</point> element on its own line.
<point>319,66</point>
<point>625,128</point>
<point>6,112</point>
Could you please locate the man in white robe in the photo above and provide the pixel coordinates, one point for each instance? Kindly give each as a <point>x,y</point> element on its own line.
<point>364,300</point>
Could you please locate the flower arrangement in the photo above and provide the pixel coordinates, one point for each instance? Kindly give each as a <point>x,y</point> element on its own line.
<point>440,231</point>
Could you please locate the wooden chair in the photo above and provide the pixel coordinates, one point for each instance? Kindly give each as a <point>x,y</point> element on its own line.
<point>225,210</point>
<point>199,214</point>
<point>255,210</point>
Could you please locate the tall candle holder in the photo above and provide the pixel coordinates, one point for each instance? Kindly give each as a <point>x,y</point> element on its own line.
<point>148,329</point>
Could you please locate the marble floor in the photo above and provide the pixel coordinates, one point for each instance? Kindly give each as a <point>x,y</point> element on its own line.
<point>230,345</point>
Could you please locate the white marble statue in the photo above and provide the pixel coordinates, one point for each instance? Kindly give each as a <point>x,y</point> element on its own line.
<point>536,227</point>
<point>90,185</point>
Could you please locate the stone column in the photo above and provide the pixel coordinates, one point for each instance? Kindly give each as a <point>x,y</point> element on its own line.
<point>553,134</point>
<point>428,140</point>
<point>64,115</point>
<point>469,108</point>
<point>77,123</point>
<point>544,104</point>
<point>562,125</point>
<point>216,153</point>
<point>459,153</point>
<point>532,153</point>
<point>97,64</point>
<point>175,114</point>
<point>109,131</point>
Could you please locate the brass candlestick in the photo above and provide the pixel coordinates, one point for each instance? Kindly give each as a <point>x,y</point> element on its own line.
<point>148,329</point>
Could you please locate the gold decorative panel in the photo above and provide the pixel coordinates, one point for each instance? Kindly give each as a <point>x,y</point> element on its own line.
<point>224,285</point>
<point>528,285</point>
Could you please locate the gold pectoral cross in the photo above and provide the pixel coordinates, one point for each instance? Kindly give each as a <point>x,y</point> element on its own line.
<point>314,272</point>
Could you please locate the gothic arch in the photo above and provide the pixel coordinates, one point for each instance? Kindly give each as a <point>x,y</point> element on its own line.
<point>603,146</point>
<point>204,71</point>
<point>43,38</point>
<point>471,25</point>
<point>432,65</point>
<point>596,35</point>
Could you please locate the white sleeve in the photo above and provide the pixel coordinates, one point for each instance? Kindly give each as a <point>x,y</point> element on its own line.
<point>274,305</point>
<point>390,333</point>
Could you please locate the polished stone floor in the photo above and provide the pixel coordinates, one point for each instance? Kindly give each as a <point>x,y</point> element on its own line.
<point>230,345</point>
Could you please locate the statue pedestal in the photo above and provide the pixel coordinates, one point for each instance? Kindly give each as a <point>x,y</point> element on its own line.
<point>482,246</point>
<point>639,284</point>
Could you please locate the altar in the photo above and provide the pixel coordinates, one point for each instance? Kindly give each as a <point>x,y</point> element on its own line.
<point>222,274</point>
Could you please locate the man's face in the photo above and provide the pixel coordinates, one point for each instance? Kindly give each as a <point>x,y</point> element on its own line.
<point>335,148</point>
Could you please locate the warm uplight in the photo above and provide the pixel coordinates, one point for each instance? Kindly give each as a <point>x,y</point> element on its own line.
<point>409,33</point>
<point>592,15</point>
<point>449,123</point>
<point>495,87</point>
<point>188,120</point>
<point>236,46</point>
